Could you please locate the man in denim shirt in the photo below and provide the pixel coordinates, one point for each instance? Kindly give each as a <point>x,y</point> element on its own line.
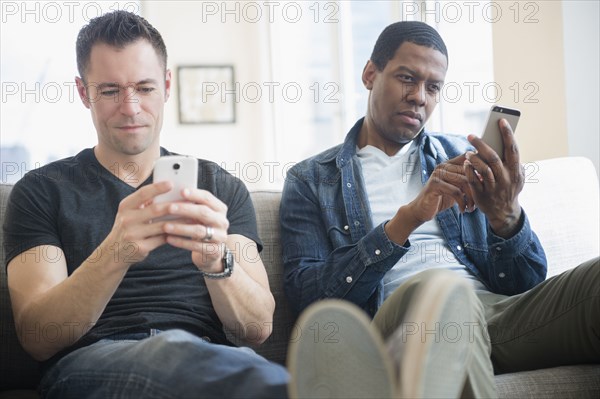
<point>425,233</point>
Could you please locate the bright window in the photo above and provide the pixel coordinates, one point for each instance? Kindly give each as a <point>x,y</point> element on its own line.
<point>39,120</point>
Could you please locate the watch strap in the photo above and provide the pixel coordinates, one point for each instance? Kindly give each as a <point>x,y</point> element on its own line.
<point>227,262</point>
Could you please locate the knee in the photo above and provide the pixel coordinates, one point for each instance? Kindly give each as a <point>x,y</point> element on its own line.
<point>588,276</point>
<point>595,273</point>
<point>173,342</point>
<point>426,281</point>
<point>175,336</point>
<point>594,276</point>
<point>593,266</point>
<point>428,274</point>
<point>424,278</point>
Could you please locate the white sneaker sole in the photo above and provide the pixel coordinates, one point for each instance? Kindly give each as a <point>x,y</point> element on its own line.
<point>336,353</point>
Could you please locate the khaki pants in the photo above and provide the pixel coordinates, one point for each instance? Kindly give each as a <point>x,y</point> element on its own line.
<point>555,323</point>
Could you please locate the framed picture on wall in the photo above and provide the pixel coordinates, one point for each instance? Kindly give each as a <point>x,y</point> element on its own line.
<point>206,94</point>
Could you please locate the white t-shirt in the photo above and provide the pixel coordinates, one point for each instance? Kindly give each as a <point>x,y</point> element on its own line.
<point>393,181</point>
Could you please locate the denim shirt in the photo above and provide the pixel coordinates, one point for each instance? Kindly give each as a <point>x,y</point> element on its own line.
<point>332,250</point>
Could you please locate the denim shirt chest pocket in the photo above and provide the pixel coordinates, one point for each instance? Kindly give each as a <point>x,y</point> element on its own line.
<point>338,228</point>
<point>344,210</point>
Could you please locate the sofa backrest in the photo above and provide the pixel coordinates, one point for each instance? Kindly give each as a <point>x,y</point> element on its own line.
<point>560,198</point>
<point>266,204</point>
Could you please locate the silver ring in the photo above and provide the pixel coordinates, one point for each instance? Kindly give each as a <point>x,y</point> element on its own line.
<point>209,233</point>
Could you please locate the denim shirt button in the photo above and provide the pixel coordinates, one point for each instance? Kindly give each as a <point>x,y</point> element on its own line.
<point>348,185</point>
<point>349,279</point>
<point>459,247</point>
<point>498,249</point>
<point>346,227</point>
<point>501,275</point>
<point>377,252</point>
<point>356,223</point>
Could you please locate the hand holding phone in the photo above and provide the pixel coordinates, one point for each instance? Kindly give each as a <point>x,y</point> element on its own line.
<point>492,135</point>
<point>181,171</point>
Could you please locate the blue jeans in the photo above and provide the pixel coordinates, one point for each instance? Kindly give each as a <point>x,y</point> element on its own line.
<point>172,364</point>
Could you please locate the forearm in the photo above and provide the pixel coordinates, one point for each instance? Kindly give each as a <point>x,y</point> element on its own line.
<point>351,272</point>
<point>328,253</point>
<point>244,306</point>
<point>401,226</point>
<point>243,300</point>
<point>507,223</point>
<point>58,317</point>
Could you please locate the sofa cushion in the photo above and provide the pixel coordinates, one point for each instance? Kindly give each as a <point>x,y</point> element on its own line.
<point>579,382</point>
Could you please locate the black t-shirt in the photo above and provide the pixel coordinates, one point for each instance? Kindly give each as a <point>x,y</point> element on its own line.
<point>72,203</point>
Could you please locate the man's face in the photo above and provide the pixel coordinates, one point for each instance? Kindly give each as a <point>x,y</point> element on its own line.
<point>404,94</point>
<point>125,90</point>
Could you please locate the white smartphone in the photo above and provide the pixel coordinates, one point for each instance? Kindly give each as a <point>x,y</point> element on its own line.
<point>181,170</point>
<point>491,135</point>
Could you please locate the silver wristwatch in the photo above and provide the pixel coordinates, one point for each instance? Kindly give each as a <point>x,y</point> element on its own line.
<point>227,262</point>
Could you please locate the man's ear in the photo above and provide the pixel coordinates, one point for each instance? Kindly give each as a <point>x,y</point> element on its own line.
<point>168,79</point>
<point>368,75</point>
<point>82,91</point>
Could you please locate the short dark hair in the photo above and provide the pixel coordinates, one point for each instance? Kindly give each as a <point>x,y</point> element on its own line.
<point>405,31</point>
<point>118,29</point>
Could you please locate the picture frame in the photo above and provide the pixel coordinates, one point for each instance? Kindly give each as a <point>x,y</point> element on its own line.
<point>206,94</point>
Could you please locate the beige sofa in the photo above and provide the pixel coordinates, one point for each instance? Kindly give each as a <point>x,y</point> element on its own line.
<point>561,199</point>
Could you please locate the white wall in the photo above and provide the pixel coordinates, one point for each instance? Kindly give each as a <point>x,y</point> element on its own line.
<point>196,36</point>
<point>582,71</point>
<point>528,54</point>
